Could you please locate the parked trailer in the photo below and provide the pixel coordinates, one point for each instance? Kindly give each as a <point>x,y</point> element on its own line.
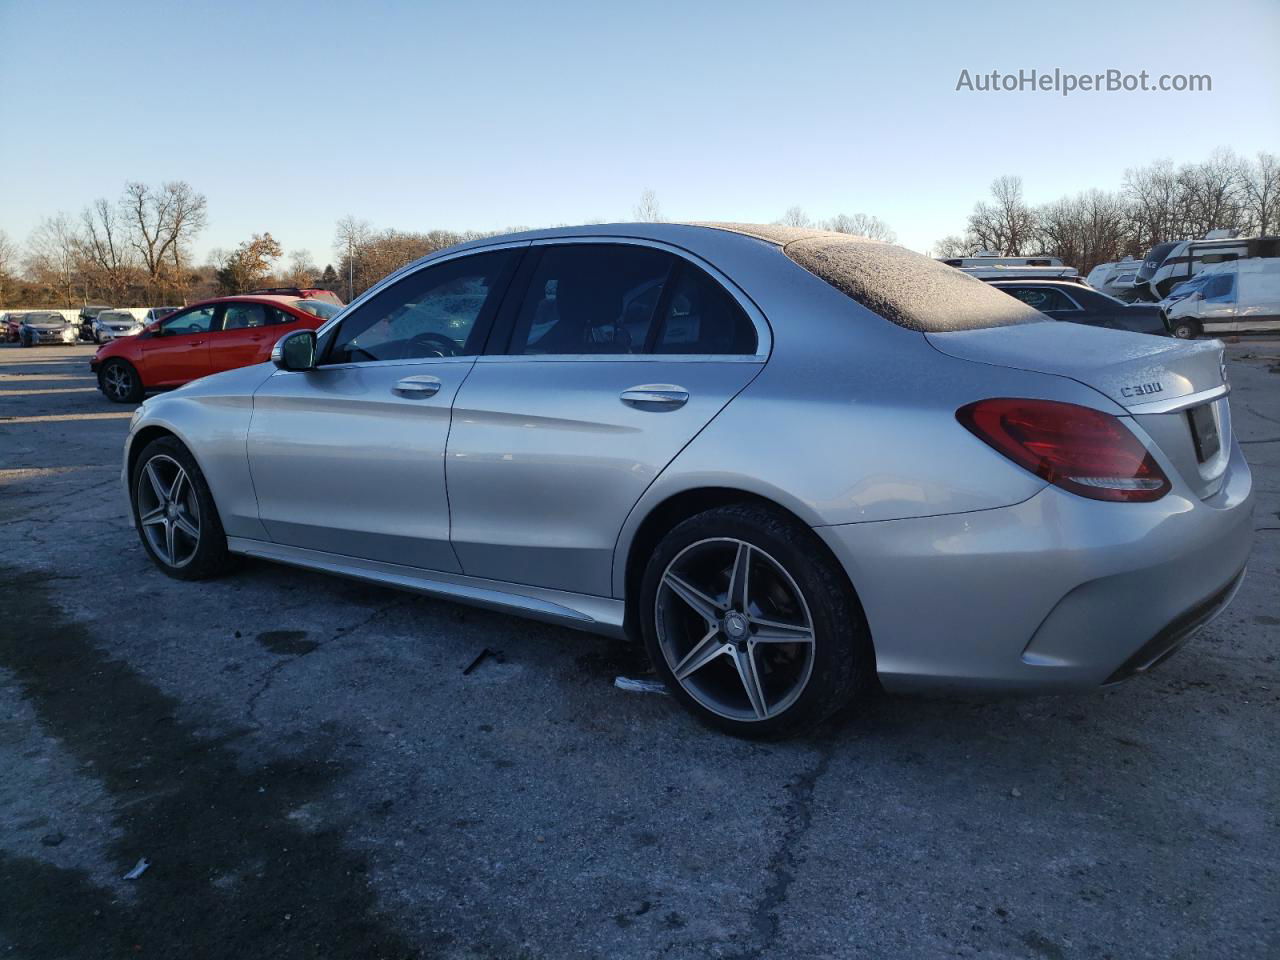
<point>1168,264</point>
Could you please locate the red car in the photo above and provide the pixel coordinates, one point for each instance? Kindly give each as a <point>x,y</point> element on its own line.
<point>205,338</point>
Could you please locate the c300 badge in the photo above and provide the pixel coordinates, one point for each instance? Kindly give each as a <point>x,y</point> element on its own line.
<point>1141,389</point>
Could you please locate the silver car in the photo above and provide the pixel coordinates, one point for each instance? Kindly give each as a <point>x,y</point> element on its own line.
<point>794,463</point>
<point>46,326</point>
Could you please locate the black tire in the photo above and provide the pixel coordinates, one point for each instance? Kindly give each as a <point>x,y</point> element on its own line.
<point>130,389</point>
<point>1184,329</point>
<point>210,557</point>
<point>842,663</point>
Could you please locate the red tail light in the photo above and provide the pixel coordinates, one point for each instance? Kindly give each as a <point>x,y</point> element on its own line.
<point>1085,451</point>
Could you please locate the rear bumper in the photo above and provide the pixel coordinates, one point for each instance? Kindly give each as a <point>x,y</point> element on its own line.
<point>1053,594</point>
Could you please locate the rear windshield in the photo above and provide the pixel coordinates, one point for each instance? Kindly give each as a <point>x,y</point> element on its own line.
<point>913,291</point>
<point>318,308</point>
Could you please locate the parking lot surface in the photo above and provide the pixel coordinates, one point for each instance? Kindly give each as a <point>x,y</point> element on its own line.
<point>308,771</point>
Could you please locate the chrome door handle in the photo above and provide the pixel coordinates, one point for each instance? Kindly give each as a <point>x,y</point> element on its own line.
<point>417,388</point>
<point>655,396</point>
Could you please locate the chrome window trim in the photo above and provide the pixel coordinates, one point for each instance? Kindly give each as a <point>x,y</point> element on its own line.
<point>764,333</point>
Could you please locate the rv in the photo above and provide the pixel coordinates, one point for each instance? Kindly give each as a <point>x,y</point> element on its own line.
<point>992,260</point>
<point>1241,296</point>
<point>1115,278</point>
<point>1168,264</point>
<point>1003,271</point>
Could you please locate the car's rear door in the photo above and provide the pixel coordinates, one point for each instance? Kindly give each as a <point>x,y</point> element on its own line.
<point>603,382</point>
<point>348,458</point>
<point>178,351</point>
<point>247,332</point>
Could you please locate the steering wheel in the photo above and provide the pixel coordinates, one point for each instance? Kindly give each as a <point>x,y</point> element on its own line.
<point>433,345</point>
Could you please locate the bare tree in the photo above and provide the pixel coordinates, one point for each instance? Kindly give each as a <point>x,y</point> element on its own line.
<point>950,246</point>
<point>106,251</point>
<point>1006,225</point>
<point>302,269</point>
<point>350,234</point>
<point>648,210</point>
<point>8,265</point>
<point>1262,193</point>
<point>162,224</point>
<point>54,256</point>
<point>795,217</point>
<point>862,225</point>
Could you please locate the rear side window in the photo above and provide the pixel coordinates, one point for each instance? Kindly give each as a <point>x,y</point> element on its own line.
<point>595,298</point>
<point>1042,298</point>
<point>908,289</point>
<point>700,317</point>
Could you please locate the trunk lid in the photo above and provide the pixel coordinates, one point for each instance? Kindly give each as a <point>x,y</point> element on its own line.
<point>1130,368</point>
<point>1174,390</point>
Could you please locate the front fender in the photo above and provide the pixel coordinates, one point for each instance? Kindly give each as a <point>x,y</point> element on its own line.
<point>211,418</point>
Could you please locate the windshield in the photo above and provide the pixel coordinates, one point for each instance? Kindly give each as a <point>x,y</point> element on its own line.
<point>318,308</point>
<point>1151,262</point>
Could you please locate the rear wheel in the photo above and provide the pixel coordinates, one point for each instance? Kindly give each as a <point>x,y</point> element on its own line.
<point>175,514</point>
<point>119,381</point>
<point>751,624</point>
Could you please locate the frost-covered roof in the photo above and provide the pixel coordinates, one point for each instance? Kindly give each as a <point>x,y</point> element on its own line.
<point>913,291</point>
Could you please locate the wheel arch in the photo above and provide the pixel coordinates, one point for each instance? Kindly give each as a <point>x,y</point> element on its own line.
<point>665,515</point>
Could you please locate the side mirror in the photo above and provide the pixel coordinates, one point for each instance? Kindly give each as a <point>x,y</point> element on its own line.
<point>296,351</point>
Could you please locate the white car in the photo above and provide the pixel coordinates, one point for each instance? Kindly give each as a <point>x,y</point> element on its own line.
<point>111,324</point>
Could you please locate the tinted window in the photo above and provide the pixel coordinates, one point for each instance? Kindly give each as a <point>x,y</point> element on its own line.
<point>701,317</point>
<point>199,320</point>
<point>1041,298</point>
<point>242,316</point>
<point>591,298</point>
<point>277,316</point>
<point>437,311</point>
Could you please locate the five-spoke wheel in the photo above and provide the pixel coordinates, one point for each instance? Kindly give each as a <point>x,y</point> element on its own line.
<point>168,511</point>
<point>174,512</point>
<point>119,381</point>
<point>735,629</point>
<point>752,623</point>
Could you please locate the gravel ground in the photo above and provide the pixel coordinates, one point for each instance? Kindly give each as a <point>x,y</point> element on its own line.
<point>309,773</point>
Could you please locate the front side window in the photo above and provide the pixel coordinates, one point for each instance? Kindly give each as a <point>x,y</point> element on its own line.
<point>701,317</point>
<point>199,320</point>
<point>438,311</point>
<point>1220,288</point>
<point>591,298</point>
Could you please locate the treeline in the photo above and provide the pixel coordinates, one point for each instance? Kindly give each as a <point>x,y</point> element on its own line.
<point>1157,203</point>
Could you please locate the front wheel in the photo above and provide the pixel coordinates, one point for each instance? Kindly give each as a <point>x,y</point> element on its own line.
<point>752,624</point>
<point>1185,329</point>
<point>120,382</point>
<point>174,513</point>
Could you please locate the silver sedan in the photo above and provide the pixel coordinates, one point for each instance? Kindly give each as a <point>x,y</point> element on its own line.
<point>795,464</point>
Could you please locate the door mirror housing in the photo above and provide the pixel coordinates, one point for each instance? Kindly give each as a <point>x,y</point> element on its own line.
<point>296,351</point>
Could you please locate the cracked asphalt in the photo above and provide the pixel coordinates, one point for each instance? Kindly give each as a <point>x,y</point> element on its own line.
<point>309,772</point>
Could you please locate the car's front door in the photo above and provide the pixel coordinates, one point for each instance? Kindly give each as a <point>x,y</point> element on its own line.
<point>348,458</point>
<point>604,381</point>
<point>178,351</point>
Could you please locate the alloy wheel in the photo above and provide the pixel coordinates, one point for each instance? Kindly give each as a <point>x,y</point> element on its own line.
<point>734,629</point>
<point>118,381</point>
<point>168,510</point>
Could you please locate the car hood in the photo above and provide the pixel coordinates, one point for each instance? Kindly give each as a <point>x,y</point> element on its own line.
<point>1129,368</point>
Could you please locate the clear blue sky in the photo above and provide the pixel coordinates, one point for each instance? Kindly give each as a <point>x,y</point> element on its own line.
<point>488,114</point>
